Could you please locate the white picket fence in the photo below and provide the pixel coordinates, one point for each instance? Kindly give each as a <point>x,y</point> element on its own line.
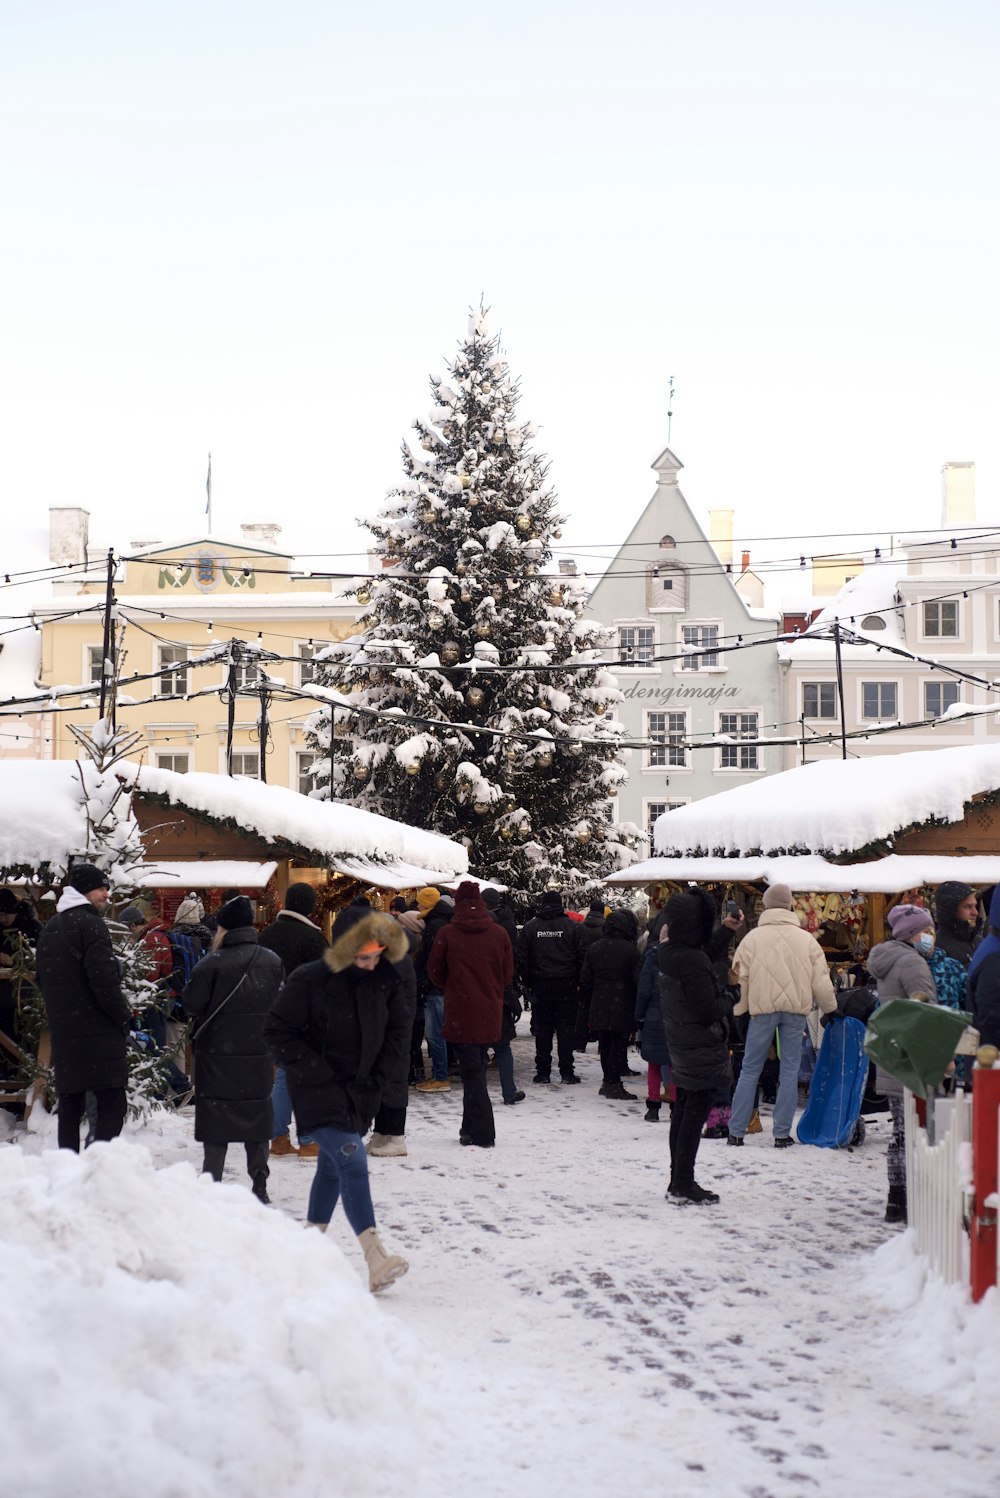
<point>934,1188</point>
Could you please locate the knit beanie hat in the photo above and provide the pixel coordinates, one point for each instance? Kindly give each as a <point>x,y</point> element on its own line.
<point>777,897</point>
<point>491,899</point>
<point>86,877</point>
<point>907,920</point>
<point>132,916</point>
<point>8,902</point>
<point>467,890</point>
<point>397,904</point>
<point>596,906</point>
<point>300,898</point>
<point>427,898</point>
<point>235,913</point>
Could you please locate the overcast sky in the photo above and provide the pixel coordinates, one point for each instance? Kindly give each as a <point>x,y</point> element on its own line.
<point>256,228</point>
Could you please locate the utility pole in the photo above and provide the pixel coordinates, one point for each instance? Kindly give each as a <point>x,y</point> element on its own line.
<point>108,646</point>
<point>262,731</point>
<point>840,689</point>
<point>232,657</point>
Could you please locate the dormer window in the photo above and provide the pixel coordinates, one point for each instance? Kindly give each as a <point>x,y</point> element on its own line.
<point>873,622</point>
<point>666,586</point>
<point>667,543</point>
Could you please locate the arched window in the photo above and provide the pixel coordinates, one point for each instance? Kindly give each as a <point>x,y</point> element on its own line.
<point>667,543</point>
<point>873,622</point>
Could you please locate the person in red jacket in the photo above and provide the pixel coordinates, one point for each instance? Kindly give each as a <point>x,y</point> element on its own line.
<point>472,961</point>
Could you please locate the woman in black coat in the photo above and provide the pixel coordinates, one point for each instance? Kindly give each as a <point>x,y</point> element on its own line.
<point>608,983</point>
<point>695,1015</point>
<point>389,1129</point>
<point>340,1028</point>
<point>649,1022</point>
<point>228,997</point>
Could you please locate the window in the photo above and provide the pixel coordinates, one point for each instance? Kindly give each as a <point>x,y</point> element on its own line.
<point>873,623</point>
<point>819,699</point>
<point>739,756</point>
<point>247,676</point>
<point>173,679</point>
<point>94,666</point>
<point>304,781</point>
<point>878,699</point>
<point>941,620</point>
<point>655,809</point>
<point>666,586</point>
<point>939,696</point>
<point>667,732</point>
<point>706,638</point>
<point>307,666</point>
<point>636,645</point>
<point>246,762</point>
<point>667,543</point>
<point>178,762</point>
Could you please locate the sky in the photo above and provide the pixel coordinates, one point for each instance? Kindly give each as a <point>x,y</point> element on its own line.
<point>256,230</point>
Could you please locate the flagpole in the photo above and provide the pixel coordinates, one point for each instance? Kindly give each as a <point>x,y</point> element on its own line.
<point>208,494</point>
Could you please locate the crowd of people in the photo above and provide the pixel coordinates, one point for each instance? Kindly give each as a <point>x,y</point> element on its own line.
<point>283,1023</point>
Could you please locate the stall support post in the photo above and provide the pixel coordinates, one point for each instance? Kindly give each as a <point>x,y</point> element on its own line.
<point>983,1225</point>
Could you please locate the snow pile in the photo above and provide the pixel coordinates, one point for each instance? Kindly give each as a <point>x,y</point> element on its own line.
<point>832,806</point>
<point>175,1337</point>
<point>331,830</point>
<point>42,814</point>
<point>938,1343</point>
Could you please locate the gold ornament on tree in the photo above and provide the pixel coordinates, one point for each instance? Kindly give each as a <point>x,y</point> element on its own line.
<point>363,596</point>
<point>475,697</point>
<point>523,522</point>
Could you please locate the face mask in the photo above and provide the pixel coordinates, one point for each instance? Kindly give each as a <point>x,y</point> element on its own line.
<point>925,943</point>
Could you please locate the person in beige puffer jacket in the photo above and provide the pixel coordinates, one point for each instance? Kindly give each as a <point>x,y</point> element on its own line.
<point>782,973</point>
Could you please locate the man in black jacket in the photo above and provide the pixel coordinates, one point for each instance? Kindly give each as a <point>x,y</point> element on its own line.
<point>436,910</point>
<point>956,920</point>
<point>550,955</point>
<point>88,1017</point>
<point>296,940</point>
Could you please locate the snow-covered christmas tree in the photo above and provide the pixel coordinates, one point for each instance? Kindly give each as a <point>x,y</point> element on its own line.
<point>474,701</point>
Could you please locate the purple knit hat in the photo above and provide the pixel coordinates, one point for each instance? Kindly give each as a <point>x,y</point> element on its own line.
<point>907,920</point>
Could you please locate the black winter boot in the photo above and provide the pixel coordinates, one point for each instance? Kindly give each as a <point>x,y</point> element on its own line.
<point>895,1207</point>
<point>652,1113</point>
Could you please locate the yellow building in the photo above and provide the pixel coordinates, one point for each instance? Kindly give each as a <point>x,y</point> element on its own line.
<point>174,604</point>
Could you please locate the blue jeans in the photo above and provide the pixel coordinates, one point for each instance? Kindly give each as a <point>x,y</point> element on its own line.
<point>505,1068</point>
<point>281,1106</point>
<point>436,1048</point>
<point>760,1033</point>
<point>341,1171</point>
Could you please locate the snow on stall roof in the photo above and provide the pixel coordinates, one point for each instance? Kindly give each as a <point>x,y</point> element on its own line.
<point>809,872</point>
<point>42,817</point>
<point>331,830</point>
<point>210,873</point>
<point>832,806</point>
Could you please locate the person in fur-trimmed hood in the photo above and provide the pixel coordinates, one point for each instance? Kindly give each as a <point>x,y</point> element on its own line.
<point>339,1028</point>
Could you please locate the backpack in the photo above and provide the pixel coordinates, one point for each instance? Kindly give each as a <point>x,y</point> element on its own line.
<point>186,951</point>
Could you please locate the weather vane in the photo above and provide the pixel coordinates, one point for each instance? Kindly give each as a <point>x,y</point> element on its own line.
<point>670,408</point>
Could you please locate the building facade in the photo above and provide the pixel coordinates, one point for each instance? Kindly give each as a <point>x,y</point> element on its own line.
<point>177,608</point>
<point>668,594</point>
<point>920,646</point>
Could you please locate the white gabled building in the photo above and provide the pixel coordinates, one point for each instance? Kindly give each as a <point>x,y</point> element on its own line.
<point>667,593</point>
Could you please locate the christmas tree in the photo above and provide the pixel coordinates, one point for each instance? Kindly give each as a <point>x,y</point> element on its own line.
<point>474,702</point>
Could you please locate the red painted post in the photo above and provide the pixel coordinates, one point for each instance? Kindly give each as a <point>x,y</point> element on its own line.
<point>983,1226</point>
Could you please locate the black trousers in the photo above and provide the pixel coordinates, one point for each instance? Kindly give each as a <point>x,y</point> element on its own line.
<point>612,1046</point>
<point>477,1110</point>
<point>109,1120</point>
<point>687,1119</point>
<point>553,1016</point>
<point>390,1120</point>
<point>215,1159</point>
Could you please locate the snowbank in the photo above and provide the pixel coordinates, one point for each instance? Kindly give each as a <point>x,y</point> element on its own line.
<point>174,1337</point>
<point>939,1344</point>
<point>42,814</point>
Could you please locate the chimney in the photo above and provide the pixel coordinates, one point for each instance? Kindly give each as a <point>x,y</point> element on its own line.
<point>745,562</point>
<point>720,533</point>
<point>958,494</point>
<point>261,533</point>
<point>68,534</point>
<point>567,567</point>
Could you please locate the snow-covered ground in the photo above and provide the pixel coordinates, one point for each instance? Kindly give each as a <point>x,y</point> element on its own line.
<point>563,1329</point>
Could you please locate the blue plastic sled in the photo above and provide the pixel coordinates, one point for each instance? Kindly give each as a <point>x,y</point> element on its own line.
<point>837,1087</point>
